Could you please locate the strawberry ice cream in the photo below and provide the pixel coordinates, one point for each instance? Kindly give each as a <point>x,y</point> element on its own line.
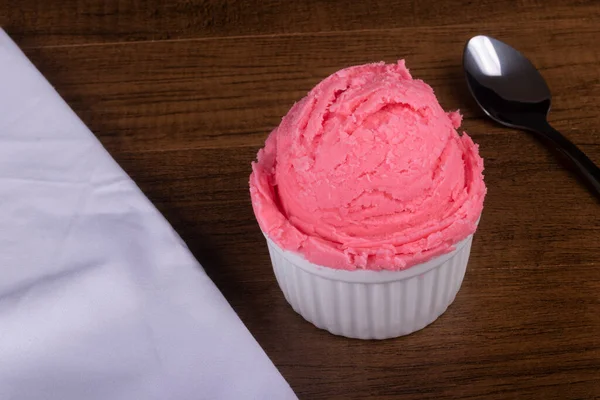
<point>368,172</point>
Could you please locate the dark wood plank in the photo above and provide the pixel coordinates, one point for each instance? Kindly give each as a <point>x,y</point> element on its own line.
<point>36,23</point>
<point>232,92</point>
<point>207,192</point>
<point>186,117</point>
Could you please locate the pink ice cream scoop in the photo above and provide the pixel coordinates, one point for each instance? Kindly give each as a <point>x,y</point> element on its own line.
<point>368,172</point>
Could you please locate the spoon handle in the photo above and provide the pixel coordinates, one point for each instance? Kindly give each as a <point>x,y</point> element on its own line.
<point>586,167</point>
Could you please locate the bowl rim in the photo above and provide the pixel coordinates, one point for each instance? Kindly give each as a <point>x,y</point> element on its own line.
<point>367,275</point>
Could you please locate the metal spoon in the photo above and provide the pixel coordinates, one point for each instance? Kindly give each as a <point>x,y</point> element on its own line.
<point>512,92</point>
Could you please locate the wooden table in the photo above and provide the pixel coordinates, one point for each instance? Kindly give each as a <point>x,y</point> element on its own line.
<point>183,94</point>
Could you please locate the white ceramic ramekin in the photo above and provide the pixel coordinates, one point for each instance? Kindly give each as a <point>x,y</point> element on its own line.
<point>366,304</point>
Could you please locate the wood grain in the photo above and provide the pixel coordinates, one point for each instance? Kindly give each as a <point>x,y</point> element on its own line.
<point>183,94</point>
<point>94,21</point>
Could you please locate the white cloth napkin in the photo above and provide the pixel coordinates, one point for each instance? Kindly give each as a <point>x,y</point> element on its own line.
<point>99,297</point>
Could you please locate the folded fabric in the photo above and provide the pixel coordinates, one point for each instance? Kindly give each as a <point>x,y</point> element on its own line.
<point>99,297</point>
